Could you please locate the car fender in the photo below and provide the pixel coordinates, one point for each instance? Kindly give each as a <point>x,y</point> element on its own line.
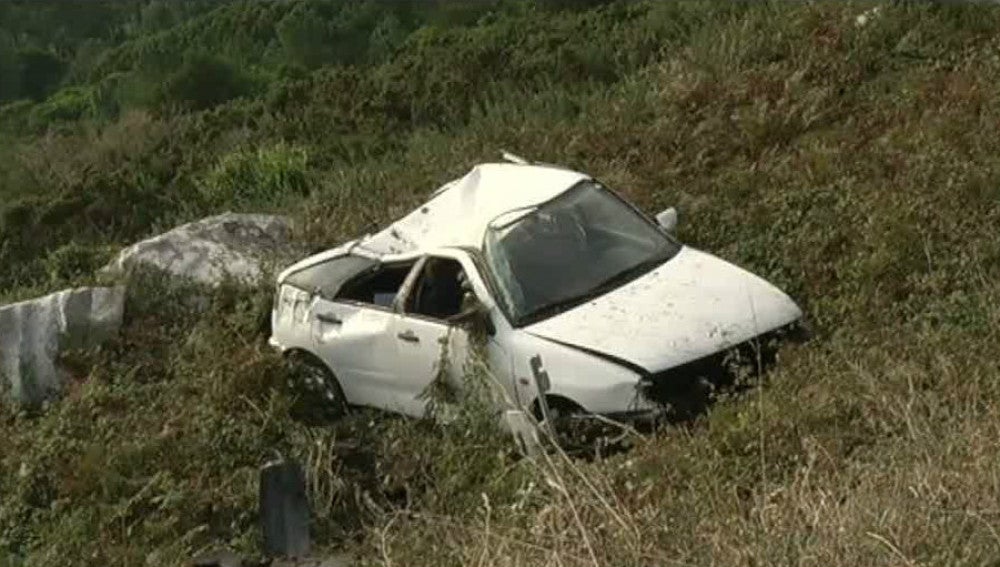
<point>597,383</point>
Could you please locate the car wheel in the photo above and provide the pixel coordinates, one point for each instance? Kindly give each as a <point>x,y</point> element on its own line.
<point>691,400</point>
<point>567,420</point>
<point>581,433</point>
<point>318,397</point>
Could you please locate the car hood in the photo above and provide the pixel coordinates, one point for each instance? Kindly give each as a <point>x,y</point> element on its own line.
<point>691,306</point>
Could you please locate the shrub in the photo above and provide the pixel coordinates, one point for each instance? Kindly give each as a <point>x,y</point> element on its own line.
<point>262,177</point>
<point>14,117</point>
<point>10,69</point>
<point>203,81</point>
<point>41,72</point>
<point>305,38</point>
<point>66,105</point>
<point>75,262</point>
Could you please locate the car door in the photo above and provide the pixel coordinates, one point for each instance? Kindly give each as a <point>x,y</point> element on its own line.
<point>353,334</point>
<point>302,295</point>
<point>421,357</point>
<point>352,339</point>
<point>427,345</point>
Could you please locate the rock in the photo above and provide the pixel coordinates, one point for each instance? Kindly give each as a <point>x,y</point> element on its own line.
<point>33,333</point>
<point>210,250</point>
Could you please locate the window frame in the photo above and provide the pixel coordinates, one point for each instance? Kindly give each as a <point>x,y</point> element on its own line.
<point>496,288</point>
<point>380,265</point>
<point>317,290</point>
<point>411,288</point>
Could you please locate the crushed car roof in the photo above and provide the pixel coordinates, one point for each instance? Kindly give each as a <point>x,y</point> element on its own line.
<point>459,212</point>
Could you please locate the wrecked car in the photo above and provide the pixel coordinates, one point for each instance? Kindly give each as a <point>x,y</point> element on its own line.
<point>588,305</point>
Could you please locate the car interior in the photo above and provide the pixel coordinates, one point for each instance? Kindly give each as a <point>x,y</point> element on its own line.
<point>438,293</point>
<point>440,290</point>
<point>378,287</point>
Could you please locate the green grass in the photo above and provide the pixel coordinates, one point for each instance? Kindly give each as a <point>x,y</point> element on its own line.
<point>854,166</point>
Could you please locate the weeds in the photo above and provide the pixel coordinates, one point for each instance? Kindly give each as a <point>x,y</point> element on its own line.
<point>264,178</point>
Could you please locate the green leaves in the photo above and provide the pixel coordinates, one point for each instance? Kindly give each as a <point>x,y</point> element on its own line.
<point>262,178</point>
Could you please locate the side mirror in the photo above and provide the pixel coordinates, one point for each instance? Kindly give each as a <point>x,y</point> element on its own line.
<point>474,316</point>
<point>667,219</point>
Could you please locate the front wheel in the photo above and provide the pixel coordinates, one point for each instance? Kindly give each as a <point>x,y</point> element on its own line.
<point>318,398</point>
<point>567,421</point>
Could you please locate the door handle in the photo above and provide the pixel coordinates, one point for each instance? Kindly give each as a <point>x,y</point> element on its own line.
<point>326,318</point>
<point>409,336</point>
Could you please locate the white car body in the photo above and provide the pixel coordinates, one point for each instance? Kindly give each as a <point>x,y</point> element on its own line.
<point>596,354</point>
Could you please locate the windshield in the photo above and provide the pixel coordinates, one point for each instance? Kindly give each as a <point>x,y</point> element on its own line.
<point>581,244</point>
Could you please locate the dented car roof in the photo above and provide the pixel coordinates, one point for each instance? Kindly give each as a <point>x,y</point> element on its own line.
<point>458,213</point>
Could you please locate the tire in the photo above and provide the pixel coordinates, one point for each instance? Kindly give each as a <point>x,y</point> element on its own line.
<point>578,432</point>
<point>317,396</point>
<point>564,414</point>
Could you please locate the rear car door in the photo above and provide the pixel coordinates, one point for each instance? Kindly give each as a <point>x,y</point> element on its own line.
<point>353,334</point>
<point>301,291</point>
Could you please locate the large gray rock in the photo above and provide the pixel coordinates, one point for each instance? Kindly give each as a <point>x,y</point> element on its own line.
<point>208,251</point>
<point>33,334</point>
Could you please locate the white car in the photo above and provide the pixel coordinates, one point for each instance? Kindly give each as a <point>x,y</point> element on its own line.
<point>583,296</point>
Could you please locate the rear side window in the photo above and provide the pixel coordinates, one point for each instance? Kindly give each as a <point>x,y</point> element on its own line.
<point>377,287</point>
<point>326,278</point>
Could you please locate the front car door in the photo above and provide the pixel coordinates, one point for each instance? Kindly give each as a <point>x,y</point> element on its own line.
<point>430,350</point>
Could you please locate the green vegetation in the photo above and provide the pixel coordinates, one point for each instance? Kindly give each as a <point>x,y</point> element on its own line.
<point>854,165</point>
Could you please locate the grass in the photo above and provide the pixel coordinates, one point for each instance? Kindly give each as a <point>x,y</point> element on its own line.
<point>855,166</point>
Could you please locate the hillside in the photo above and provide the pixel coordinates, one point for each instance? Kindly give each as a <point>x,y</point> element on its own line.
<point>853,161</point>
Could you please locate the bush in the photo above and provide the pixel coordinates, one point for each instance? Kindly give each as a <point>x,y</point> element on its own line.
<point>75,262</point>
<point>203,81</point>
<point>66,105</point>
<point>200,81</point>
<point>41,72</point>
<point>264,177</point>
<point>305,38</point>
<point>10,69</point>
<point>14,117</point>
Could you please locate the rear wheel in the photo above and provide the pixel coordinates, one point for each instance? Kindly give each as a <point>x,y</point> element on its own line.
<point>318,398</point>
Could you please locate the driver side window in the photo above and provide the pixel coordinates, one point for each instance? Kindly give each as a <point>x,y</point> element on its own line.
<point>441,291</point>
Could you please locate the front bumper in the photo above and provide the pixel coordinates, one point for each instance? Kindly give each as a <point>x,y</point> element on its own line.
<point>734,366</point>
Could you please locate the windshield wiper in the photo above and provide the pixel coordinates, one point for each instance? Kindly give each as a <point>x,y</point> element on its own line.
<point>630,273</point>
<point>607,285</point>
<point>551,309</point>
